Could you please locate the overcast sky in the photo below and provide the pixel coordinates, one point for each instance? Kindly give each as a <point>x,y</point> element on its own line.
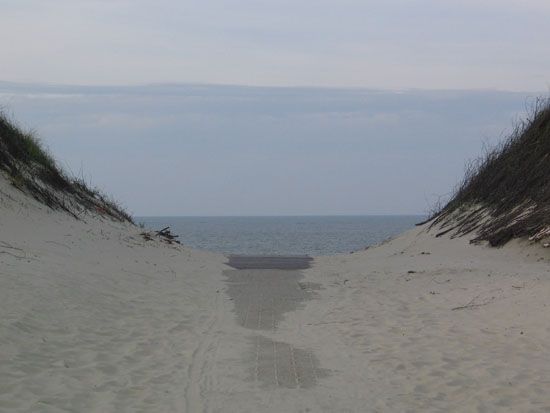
<point>272,107</point>
<point>427,44</point>
<point>222,150</point>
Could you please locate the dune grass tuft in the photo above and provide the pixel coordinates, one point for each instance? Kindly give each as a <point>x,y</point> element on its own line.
<point>31,168</point>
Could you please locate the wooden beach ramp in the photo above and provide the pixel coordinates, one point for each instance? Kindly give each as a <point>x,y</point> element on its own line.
<point>263,262</point>
<point>264,289</point>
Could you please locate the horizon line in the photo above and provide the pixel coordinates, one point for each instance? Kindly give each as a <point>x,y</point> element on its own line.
<point>252,86</point>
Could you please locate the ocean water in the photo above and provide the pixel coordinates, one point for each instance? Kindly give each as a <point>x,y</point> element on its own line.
<point>303,235</point>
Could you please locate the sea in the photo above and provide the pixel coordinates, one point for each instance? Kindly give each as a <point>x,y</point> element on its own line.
<point>284,235</point>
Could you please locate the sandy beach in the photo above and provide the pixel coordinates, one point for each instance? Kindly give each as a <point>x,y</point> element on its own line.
<point>97,319</point>
<point>274,206</point>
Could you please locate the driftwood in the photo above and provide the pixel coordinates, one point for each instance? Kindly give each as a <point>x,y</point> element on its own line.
<point>164,234</point>
<point>168,236</point>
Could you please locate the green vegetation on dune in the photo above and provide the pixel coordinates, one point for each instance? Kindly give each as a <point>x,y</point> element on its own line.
<point>506,193</point>
<point>33,170</point>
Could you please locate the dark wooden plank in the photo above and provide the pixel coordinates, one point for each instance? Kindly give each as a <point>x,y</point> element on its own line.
<point>244,262</point>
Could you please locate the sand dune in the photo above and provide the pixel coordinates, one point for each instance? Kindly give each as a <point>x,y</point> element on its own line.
<point>96,319</point>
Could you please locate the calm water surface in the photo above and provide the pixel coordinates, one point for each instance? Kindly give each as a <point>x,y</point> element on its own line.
<point>283,235</point>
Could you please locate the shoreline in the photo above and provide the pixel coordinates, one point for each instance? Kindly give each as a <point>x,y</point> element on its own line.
<point>283,235</point>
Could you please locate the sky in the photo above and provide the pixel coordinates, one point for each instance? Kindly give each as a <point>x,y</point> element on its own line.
<point>390,44</point>
<point>234,150</point>
<point>241,107</point>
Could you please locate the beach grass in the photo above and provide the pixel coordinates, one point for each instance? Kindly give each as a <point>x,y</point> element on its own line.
<point>31,168</point>
<point>505,193</point>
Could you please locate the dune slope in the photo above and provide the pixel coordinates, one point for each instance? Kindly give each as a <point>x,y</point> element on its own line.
<point>95,318</point>
<point>506,193</point>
